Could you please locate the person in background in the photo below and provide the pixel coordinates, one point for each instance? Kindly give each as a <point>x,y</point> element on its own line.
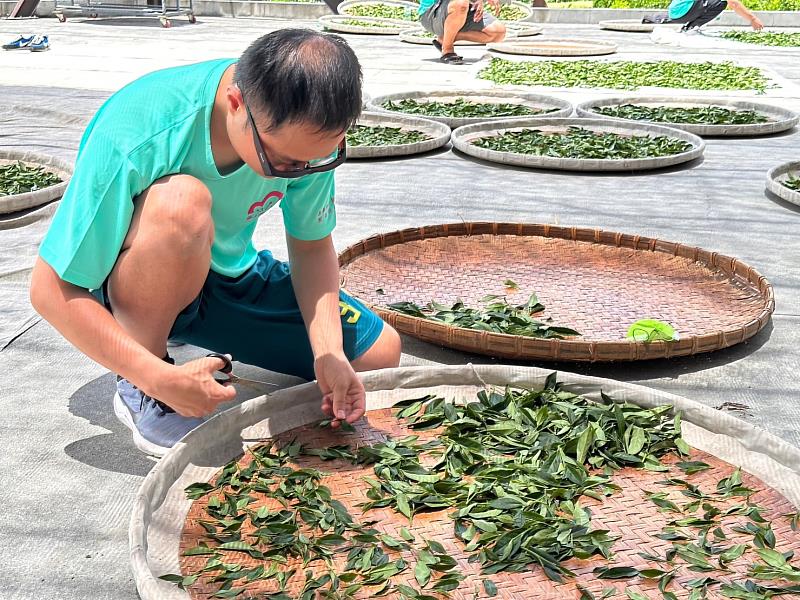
<point>696,13</point>
<point>453,20</point>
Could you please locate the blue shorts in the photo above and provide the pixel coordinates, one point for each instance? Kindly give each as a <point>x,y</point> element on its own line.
<point>255,318</point>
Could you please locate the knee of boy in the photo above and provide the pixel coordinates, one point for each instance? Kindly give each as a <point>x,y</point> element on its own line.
<point>459,5</point>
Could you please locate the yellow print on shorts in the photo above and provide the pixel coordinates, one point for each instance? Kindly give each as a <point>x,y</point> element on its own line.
<point>346,308</point>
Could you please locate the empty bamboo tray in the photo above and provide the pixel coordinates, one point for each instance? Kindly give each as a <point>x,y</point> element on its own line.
<point>595,281</point>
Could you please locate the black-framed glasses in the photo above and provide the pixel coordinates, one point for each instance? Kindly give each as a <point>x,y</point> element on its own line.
<point>318,165</point>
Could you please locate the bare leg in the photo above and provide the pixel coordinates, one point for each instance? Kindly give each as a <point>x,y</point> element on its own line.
<point>164,259</point>
<point>495,32</point>
<point>456,17</point>
<point>383,354</point>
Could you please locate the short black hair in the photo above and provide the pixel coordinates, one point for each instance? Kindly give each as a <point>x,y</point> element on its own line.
<point>301,76</point>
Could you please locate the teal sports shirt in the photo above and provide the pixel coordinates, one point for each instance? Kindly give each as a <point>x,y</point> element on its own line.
<point>678,8</point>
<point>156,126</point>
<point>425,5</point>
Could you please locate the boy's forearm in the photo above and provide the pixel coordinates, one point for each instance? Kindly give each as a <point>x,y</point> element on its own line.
<point>86,324</point>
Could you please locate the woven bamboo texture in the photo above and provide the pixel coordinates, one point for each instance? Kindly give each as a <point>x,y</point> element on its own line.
<point>555,47</point>
<point>464,136</point>
<point>781,173</point>
<point>627,514</point>
<point>780,119</point>
<point>438,135</point>
<point>339,23</point>
<point>26,200</point>
<point>536,101</point>
<point>598,282</point>
<point>627,25</point>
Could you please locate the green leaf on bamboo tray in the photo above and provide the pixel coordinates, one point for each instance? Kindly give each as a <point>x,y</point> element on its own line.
<point>793,183</point>
<point>794,520</point>
<point>461,108</point>
<point>364,135</point>
<point>198,490</point>
<point>750,590</point>
<point>511,284</point>
<point>403,505</point>
<point>731,554</point>
<point>199,550</point>
<point>652,573</point>
<point>422,573</point>
<point>229,593</point>
<point>660,500</point>
<point>763,536</point>
<point>626,75</point>
<point>496,315</point>
<point>616,572</point>
<point>700,582</point>
<point>384,11</point>
<point>695,556</point>
<point>776,567</point>
<point>652,330</point>
<point>578,142</point>
<point>764,38</point>
<point>182,581</point>
<point>19,178</point>
<point>490,588</point>
<point>406,534</point>
<point>683,447</point>
<point>635,595</point>
<point>331,453</point>
<point>706,115</point>
<point>692,467</point>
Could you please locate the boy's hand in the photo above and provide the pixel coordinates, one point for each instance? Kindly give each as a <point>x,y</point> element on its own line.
<point>343,396</point>
<point>190,389</point>
<point>756,24</point>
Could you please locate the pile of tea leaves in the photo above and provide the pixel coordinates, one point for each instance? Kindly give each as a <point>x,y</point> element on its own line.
<point>577,142</point>
<point>764,38</point>
<point>19,178</point>
<point>509,468</point>
<point>700,115</point>
<point>461,108</point>
<point>384,11</point>
<point>793,183</point>
<point>496,316</point>
<point>369,24</point>
<point>509,12</point>
<point>364,135</point>
<point>625,75</point>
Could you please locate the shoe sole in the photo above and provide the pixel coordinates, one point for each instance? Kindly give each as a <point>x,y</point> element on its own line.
<point>124,415</point>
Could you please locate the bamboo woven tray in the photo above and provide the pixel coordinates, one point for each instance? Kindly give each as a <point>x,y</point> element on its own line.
<point>597,282</point>
<point>17,202</point>
<point>626,514</point>
<point>780,119</point>
<point>780,173</point>
<point>438,134</point>
<point>378,26</point>
<point>555,47</point>
<point>627,25</point>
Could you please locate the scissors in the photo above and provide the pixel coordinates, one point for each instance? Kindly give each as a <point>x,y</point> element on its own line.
<point>229,377</point>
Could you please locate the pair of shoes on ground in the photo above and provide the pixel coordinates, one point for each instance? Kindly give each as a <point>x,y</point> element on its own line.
<point>34,43</point>
<point>451,58</point>
<point>155,426</point>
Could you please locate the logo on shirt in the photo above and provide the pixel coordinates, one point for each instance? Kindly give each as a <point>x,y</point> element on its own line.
<point>259,208</point>
<point>325,211</point>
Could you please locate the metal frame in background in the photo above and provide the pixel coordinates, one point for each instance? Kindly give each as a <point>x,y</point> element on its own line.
<point>160,9</point>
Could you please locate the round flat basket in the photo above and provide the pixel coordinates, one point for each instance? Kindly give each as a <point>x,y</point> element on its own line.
<point>523,12</point>
<point>407,10</point>
<point>521,29</point>
<point>17,202</point>
<point>348,24</point>
<point>778,175</point>
<point>463,136</point>
<point>165,526</point>
<point>596,282</point>
<point>438,134</point>
<point>555,47</point>
<point>627,25</point>
<point>539,102</point>
<point>418,35</point>
<point>779,119</point>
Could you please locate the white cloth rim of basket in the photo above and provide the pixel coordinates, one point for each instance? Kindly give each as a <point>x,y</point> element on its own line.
<point>439,131</point>
<point>411,36</point>
<point>522,29</point>
<point>580,47</point>
<point>564,108</point>
<point>784,118</point>
<point>461,141</point>
<point>154,535</point>
<point>627,25</point>
<point>383,26</point>
<point>17,202</point>
<point>776,187</point>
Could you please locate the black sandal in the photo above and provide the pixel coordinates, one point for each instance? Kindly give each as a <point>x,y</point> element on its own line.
<point>437,44</point>
<point>451,58</point>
